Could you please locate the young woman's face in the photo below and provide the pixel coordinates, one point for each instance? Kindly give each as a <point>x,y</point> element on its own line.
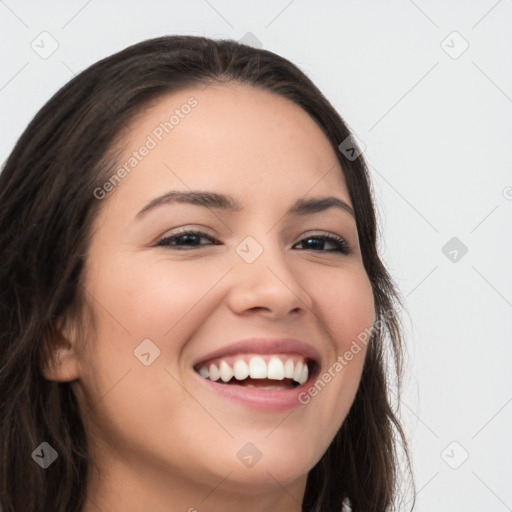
<point>255,289</point>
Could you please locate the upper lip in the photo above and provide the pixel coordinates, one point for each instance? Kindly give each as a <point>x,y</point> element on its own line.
<point>264,346</point>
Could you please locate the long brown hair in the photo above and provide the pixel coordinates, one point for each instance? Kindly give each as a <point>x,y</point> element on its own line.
<point>47,206</point>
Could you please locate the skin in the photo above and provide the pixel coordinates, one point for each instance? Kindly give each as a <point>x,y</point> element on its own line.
<point>159,438</point>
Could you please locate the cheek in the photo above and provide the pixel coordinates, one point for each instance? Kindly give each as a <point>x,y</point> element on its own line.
<point>152,298</point>
<point>157,300</point>
<point>345,305</point>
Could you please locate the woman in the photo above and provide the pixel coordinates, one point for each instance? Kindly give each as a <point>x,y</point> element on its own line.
<point>194,313</point>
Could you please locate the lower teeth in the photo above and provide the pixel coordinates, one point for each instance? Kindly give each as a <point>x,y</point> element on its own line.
<point>279,388</point>
<point>264,383</point>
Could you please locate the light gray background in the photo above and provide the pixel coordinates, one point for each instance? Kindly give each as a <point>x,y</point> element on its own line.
<point>438,133</point>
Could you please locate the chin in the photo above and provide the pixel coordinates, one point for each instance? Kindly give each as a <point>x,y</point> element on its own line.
<point>257,465</point>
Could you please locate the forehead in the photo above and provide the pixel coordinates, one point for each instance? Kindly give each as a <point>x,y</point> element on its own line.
<point>228,136</point>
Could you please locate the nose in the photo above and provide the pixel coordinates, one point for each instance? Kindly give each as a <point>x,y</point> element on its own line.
<point>269,285</point>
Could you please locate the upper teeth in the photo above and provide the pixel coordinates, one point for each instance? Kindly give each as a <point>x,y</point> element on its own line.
<point>256,368</point>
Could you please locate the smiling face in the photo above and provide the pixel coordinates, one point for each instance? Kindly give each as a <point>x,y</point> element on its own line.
<point>269,286</point>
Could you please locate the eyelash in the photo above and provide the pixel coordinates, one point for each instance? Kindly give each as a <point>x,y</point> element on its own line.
<point>342,246</point>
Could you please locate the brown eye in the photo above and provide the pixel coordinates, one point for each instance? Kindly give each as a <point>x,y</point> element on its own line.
<point>319,242</point>
<point>185,239</point>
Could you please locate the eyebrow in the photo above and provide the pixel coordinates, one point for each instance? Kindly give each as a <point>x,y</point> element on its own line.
<point>303,206</point>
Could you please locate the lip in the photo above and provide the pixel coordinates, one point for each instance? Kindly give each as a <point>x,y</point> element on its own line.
<point>265,400</point>
<point>264,346</point>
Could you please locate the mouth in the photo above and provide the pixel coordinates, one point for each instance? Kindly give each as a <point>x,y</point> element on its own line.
<point>259,371</point>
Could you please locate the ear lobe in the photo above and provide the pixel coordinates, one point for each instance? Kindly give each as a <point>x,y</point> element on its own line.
<point>62,365</point>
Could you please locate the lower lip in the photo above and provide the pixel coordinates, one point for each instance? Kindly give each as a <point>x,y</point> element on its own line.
<point>264,399</point>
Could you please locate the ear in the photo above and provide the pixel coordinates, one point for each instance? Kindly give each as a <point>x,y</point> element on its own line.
<point>62,365</point>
